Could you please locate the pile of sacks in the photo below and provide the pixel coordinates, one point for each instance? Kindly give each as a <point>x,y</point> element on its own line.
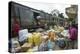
<point>37,42</point>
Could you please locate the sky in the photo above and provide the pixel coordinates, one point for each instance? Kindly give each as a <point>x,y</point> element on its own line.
<point>47,7</point>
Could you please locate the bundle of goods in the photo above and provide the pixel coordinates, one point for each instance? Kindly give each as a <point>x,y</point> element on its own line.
<point>55,27</point>
<point>34,49</point>
<point>52,35</point>
<point>51,45</point>
<point>39,30</point>
<point>65,33</point>
<point>15,46</point>
<point>61,29</point>
<point>36,38</point>
<point>58,29</point>
<point>30,38</point>
<point>61,43</point>
<point>23,35</point>
<point>25,47</point>
<point>43,46</point>
<point>51,40</point>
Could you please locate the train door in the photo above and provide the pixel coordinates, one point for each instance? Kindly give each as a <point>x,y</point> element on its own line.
<point>35,17</point>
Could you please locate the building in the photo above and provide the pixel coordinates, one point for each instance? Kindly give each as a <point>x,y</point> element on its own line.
<point>72,12</point>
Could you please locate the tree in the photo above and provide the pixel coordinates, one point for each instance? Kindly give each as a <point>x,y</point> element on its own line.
<point>55,12</point>
<point>61,15</point>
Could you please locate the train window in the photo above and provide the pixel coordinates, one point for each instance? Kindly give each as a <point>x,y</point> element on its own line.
<point>35,14</point>
<point>35,17</point>
<point>13,12</point>
<point>53,19</point>
<point>26,17</point>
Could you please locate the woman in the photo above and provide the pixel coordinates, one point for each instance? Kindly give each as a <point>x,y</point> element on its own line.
<point>15,27</point>
<point>73,35</point>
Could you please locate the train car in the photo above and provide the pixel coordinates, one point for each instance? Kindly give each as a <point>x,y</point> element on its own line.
<point>27,16</point>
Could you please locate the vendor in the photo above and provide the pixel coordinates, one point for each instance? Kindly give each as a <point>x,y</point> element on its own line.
<point>73,35</point>
<point>15,27</point>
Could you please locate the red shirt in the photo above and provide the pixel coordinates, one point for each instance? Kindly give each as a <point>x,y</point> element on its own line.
<point>16,28</point>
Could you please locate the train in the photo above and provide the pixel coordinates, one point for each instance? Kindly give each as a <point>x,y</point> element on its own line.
<point>28,17</point>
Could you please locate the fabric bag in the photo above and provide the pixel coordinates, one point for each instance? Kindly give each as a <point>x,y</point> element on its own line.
<point>23,35</point>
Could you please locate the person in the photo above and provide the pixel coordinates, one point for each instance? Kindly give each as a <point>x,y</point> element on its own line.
<point>73,35</point>
<point>66,25</point>
<point>15,27</point>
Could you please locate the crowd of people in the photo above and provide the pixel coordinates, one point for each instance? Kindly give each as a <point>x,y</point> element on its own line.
<point>57,37</point>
